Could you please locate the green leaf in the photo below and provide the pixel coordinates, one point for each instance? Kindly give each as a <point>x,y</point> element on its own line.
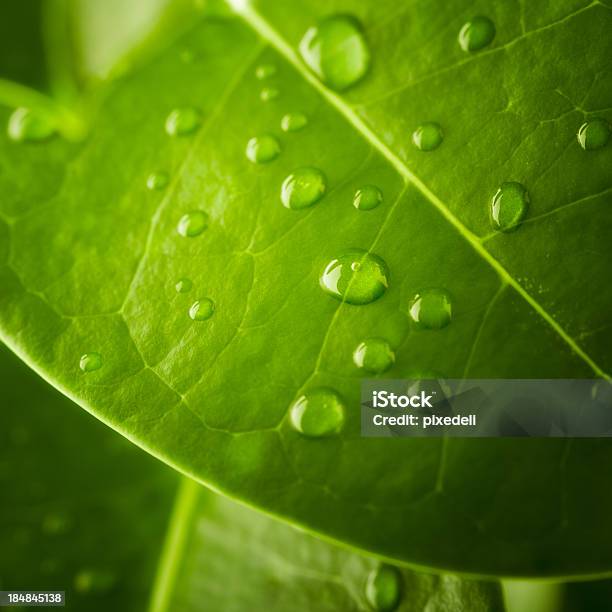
<point>82,509</point>
<point>223,556</point>
<point>90,258</point>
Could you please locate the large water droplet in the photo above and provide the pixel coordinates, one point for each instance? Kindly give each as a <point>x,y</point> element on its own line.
<point>367,197</point>
<point>265,71</point>
<point>317,413</point>
<point>183,121</point>
<point>262,149</point>
<point>94,581</point>
<point>509,206</point>
<point>431,309</point>
<point>26,126</point>
<point>336,51</point>
<point>293,122</point>
<point>303,188</point>
<point>202,310</point>
<point>268,93</point>
<point>192,223</point>
<point>90,362</point>
<point>594,134</point>
<point>384,588</point>
<point>356,277</point>
<point>183,285</point>
<point>428,136</point>
<point>157,181</point>
<point>374,355</point>
<point>477,34</point>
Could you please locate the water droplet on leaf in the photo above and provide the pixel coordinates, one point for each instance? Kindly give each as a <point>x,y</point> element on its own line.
<point>428,136</point>
<point>292,122</point>
<point>384,588</point>
<point>183,285</point>
<point>202,309</point>
<point>265,71</point>
<point>594,134</point>
<point>318,413</point>
<point>262,149</point>
<point>90,362</point>
<point>336,51</point>
<point>356,277</point>
<point>374,355</point>
<point>192,223</point>
<point>367,198</point>
<point>303,188</point>
<point>183,121</point>
<point>268,93</point>
<point>26,126</point>
<point>509,206</point>
<point>157,181</point>
<point>477,34</point>
<point>431,309</point>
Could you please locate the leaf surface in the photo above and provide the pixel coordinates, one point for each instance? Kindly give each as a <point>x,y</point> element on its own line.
<point>90,259</point>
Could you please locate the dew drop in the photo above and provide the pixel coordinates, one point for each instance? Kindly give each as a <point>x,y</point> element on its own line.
<point>90,362</point>
<point>336,51</point>
<point>262,149</point>
<point>293,122</point>
<point>183,285</point>
<point>476,34</point>
<point>183,121</point>
<point>356,277</point>
<point>431,309</point>
<point>428,136</point>
<point>202,310</point>
<point>157,181</point>
<point>26,126</point>
<point>367,197</point>
<point>192,223</point>
<point>265,71</point>
<point>594,134</point>
<point>94,581</point>
<point>318,413</point>
<point>303,188</point>
<point>384,588</point>
<point>509,206</point>
<point>268,93</point>
<point>374,355</point>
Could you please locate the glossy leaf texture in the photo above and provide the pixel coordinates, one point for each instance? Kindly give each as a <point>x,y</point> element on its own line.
<point>83,510</point>
<point>91,259</point>
<point>229,558</point>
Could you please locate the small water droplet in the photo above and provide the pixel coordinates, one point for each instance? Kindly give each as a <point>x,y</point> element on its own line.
<point>356,277</point>
<point>262,149</point>
<point>336,51</point>
<point>157,181</point>
<point>293,122</point>
<point>268,93</point>
<point>594,134</point>
<point>265,71</point>
<point>183,121</point>
<point>477,34</point>
<point>55,524</point>
<point>318,413</point>
<point>428,136</point>
<point>303,188</point>
<point>374,355</point>
<point>367,197</point>
<point>384,588</point>
<point>509,206</point>
<point>202,310</point>
<point>90,362</point>
<point>183,285</point>
<point>431,309</point>
<point>26,126</point>
<point>192,223</point>
<point>94,581</point>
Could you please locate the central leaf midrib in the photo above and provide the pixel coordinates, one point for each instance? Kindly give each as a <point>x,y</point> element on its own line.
<point>267,32</point>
